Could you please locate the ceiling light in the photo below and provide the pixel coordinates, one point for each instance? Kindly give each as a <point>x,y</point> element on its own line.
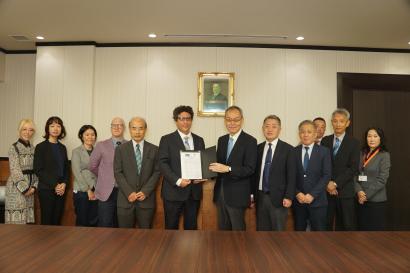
<point>300,38</point>
<point>152,35</point>
<point>40,38</point>
<point>409,43</point>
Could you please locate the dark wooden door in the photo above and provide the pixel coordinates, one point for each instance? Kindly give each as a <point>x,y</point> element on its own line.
<point>389,110</point>
<point>384,101</point>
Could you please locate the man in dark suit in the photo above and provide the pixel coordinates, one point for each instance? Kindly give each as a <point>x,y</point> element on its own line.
<point>345,152</point>
<point>180,195</point>
<point>136,171</point>
<point>313,174</point>
<point>236,156</point>
<point>273,184</point>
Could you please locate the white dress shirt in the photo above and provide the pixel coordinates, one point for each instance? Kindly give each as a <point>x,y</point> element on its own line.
<point>265,151</point>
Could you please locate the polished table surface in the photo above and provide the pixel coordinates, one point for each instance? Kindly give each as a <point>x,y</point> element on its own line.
<point>44,249</point>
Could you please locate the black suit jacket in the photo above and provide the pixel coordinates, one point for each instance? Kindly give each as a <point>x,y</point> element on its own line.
<point>236,184</point>
<point>282,173</point>
<point>345,165</point>
<point>126,175</point>
<point>317,174</point>
<point>46,167</point>
<point>170,166</point>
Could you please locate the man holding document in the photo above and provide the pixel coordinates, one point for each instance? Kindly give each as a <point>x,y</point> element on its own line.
<point>181,195</point>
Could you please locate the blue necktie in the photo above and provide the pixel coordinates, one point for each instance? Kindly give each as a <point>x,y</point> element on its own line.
<point>336,147</point>
<point>138,158</point>
<point>266,169</point>
<point>306,159</point>
<point>230,146</point>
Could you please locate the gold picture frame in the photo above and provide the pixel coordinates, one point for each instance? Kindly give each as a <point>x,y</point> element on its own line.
<point>215,93</point>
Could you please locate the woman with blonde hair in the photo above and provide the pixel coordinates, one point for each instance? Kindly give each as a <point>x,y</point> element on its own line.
<point>22,182</point>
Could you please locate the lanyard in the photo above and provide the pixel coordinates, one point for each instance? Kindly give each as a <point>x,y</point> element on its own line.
<point>369,156</point>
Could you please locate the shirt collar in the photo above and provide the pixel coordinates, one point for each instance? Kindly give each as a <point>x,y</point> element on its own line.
<point>115,140</point>
<point>341,137</point>
<point>310,146</point>
<point>182,135</point>
<point>134,144</point>
<point>274,142</point>
<point>235,136</point>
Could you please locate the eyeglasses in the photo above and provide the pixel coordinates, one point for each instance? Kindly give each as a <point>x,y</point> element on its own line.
<point>184,118</point>
<point>116,126</point>
<point>236,120</point>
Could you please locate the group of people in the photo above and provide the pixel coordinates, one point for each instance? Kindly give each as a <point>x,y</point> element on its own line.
<point>330,183</point>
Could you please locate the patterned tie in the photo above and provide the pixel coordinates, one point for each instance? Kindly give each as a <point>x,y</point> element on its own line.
<point>336,147</point>
<point>306,159</point>
<point>186,143</point>
<point>138,158</point>
<point>266,169</point>
<point>230,146</point>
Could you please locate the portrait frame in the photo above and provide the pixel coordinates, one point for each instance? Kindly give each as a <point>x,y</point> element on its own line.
<point>215,93</point>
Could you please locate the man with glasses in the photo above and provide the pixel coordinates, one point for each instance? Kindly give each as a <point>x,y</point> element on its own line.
<point>236,156</point>
<point>136,172</point>
<point>180,196</point>
<point>101,164</point>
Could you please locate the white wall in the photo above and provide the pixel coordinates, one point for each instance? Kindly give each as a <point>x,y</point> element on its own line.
<point>85,84</point>
<point>16,97</point>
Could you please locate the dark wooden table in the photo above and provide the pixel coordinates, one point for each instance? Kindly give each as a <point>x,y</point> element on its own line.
<point>73,249</point>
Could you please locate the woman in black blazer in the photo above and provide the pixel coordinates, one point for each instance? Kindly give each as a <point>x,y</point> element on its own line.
<point>51,167</point>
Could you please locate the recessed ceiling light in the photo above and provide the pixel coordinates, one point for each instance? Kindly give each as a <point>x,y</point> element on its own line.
<point>40,38</point>
<point>300,38</point>
<point>152,35</point>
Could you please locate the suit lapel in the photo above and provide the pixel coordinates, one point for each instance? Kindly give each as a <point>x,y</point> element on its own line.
<point>299,157</point>
<point>195,141</point>
<point>178,141</point>
<point>147,149</point>
<point>235,147</point>
<point>275,157</point>
<point>131,152</point>
<point>224,147</point>
<point>313,156</point>
<point>341,147</point>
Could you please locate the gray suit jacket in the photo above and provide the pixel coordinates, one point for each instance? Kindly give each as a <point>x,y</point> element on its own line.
<point>84,179</point>
<point>125,173</point>
<point>377,172</point>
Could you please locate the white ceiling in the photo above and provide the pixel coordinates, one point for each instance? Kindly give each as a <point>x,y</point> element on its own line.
<point>347,23</point>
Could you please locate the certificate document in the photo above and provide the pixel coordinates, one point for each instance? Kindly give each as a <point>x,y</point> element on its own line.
<point>191,167</point>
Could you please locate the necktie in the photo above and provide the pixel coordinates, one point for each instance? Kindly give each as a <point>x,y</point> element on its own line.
<point>230,146</point>
<point>306,159</point>
<point>118,143</point>
<point>138,158</point>
<point>186,143</point>
<point>266,169</point>
<point>336,147</point>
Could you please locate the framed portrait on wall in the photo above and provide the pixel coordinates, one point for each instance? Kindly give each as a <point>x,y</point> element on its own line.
<point>215,93</point>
